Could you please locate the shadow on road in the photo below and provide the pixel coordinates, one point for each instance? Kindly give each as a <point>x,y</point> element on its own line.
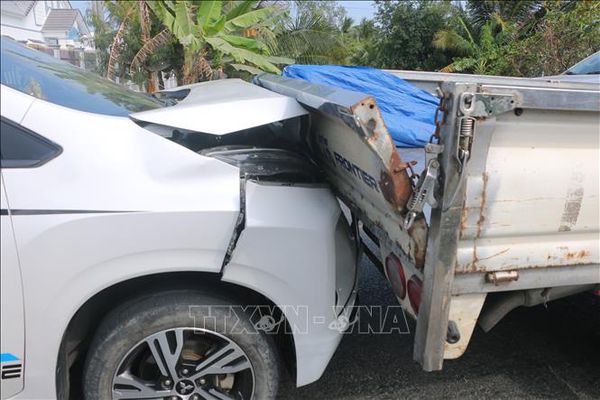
<point>539,352</point>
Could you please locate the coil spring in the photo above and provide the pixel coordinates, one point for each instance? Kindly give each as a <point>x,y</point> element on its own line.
<point>467,125</point>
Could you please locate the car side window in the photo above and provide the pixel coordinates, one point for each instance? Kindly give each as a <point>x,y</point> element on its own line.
<point>22,148</point>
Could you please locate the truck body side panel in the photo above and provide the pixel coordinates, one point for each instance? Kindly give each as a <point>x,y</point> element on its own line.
<point>536,203</point>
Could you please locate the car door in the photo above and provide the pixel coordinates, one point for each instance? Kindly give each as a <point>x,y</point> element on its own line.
<point>20,148</point>
<point>13,324</point>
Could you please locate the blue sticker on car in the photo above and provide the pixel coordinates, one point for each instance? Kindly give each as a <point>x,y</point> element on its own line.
<point>6,357</point>
<point>12,370</point>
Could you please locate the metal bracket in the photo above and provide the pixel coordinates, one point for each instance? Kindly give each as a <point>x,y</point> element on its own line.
<point>425,189</point>
<point>487,105</point>
<point>474,107</point>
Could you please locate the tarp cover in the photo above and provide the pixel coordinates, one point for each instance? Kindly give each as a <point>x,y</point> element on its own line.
<point>407,110</point>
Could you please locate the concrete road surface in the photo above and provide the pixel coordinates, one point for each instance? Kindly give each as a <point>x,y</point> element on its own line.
<point>534,353</point>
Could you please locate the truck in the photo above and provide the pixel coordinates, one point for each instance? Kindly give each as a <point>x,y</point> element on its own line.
<point>196,244</point>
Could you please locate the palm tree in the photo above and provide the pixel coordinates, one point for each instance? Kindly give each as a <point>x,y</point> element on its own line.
<point>131,16</point>
<point>149,45</point>
<point>475,52</point>
<point>501,11</point>
<point>365,42</point>
<point>347,24</point>
<point>309,37</point>
<point>122,11</point>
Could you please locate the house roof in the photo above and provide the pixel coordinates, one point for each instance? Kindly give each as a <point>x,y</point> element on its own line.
<point>63,19</point>
<point>20,8</point>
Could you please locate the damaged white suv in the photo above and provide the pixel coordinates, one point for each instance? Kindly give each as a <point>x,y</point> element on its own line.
<point>178,248</point>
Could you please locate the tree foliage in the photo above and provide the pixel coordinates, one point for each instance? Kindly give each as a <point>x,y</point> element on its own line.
<point>199,40</point>
<point>502,12</point>
<point>519,38</point>
<point>222,32</point>
<point>561,39</point>
<point>477,49</point>
<point>311,32</point>
<point>406,31</point>
<point>125,37</point>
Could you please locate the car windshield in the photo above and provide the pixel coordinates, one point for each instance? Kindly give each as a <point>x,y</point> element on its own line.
<point>588,66</point>
<point>40,75</point>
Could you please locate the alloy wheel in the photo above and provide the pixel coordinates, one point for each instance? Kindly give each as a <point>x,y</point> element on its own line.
<point>184,364</point>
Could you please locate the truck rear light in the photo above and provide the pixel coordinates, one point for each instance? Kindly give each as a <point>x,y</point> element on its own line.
<point>395,274</point>
<point>415,287</point>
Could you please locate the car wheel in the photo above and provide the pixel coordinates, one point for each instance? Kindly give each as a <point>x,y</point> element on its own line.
<point>163,347</point>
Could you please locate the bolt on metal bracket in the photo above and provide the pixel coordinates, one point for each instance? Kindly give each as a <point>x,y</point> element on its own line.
<point>483,105</point>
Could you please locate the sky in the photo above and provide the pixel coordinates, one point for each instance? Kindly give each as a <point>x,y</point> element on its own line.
<point>359,9</point>
<point>81,5</point>
<point>356,9</point>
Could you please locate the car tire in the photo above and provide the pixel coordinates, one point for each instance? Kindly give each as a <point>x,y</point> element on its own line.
<point>125,332</point>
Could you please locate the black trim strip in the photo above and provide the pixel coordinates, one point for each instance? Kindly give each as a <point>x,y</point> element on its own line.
<point>51,212</point>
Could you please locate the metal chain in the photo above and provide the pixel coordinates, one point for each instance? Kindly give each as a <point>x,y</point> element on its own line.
<point>440,118</point>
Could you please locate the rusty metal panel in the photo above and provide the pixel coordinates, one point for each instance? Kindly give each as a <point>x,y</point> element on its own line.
<point>536,203</point>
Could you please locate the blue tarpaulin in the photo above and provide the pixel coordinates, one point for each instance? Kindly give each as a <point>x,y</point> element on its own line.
<point>408,111</point>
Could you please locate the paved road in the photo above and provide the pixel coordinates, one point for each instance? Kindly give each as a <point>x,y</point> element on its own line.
<point>538,352</point>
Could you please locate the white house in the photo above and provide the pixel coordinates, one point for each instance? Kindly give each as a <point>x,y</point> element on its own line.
<point>52,24</point>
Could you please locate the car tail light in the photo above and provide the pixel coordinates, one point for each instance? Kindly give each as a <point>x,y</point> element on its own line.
<point>415,287</point>
<point>395,274</point>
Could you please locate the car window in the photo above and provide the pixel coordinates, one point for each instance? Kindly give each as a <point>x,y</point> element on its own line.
<point>588,66</point>
<point>21,148</point>
<point>45,77</point>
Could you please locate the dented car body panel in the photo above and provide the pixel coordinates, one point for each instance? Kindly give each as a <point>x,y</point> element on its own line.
<point>221,107</point>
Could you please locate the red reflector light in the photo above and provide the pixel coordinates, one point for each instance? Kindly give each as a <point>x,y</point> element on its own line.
<point>415,287</point>
<point>395,274</point>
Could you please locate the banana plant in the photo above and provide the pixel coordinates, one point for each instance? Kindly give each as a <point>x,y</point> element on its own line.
<point>226,29</point>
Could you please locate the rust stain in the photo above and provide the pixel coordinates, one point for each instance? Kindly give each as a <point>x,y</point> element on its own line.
<point>418,232</point>
<point>463,222</point>
<point>494,255</point>
<point>395,183</point>
<point>519,266</point>
<point>577,255</point>
<point>481,220</point>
